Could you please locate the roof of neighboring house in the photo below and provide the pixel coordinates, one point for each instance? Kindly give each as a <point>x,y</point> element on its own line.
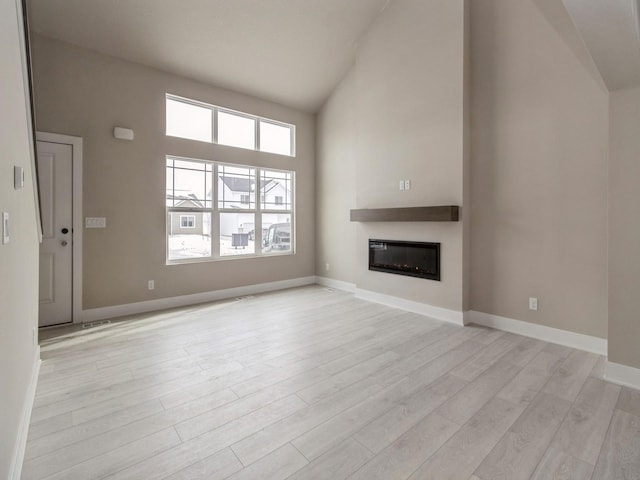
<point>238,184</point>
<point>180,200</point>
<point>243,184</point>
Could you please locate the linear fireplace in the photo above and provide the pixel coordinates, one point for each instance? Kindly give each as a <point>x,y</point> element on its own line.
<point>415,259</point>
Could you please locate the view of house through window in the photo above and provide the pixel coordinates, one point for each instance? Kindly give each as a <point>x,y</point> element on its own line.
<point>212,210</point>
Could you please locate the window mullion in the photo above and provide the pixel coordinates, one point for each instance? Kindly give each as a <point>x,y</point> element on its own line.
<point>215,215</point>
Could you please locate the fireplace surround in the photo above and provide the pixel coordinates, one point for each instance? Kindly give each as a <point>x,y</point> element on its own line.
<point>413,259</point>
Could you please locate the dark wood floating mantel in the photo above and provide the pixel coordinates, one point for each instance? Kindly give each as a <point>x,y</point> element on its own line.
<point>444,213</point>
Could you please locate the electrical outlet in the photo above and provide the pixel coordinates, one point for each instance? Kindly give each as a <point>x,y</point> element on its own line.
<point>151,284</point>
<point>326,267</point>
<point>407,184</point>
<point>533,303</point>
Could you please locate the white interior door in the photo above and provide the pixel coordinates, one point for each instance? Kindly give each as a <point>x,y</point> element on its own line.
<point>55,170</point>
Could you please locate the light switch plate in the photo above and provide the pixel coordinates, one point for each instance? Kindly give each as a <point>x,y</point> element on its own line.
<point>18,177</point>
<point>95,222</point>
<point>5,228</point>
<point>401,184</point>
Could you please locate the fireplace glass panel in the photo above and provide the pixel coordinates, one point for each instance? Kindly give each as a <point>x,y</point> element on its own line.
<point>414,259</point>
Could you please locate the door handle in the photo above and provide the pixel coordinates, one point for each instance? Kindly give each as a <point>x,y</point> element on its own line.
<point>64,243</point>
<point>65,230</point>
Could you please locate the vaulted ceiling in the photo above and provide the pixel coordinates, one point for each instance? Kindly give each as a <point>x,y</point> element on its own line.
<point>292,52</point>
<point>611,33</point>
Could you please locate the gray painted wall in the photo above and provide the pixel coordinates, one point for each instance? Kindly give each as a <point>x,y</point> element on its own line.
<point>19,258</point>
<point>399,114</point>
<point>539,169</point>
<point>86,94</point>
<point>538,158</point>
<point>624,228</point>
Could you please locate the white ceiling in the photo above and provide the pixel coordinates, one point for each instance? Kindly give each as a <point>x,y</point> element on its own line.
<point>610,31</point>
<point>292,52</point>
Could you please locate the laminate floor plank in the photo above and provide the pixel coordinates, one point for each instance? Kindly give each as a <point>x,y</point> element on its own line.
<point>335,464</point>
<point>517,454</point>
<point>464,451</point>
<point>567,381</point>
<point>410,410</point>
<point>588,420</point>
<point>556,465</point>
<point>464,404</point>
<point>312,383</point>
<point>532,378</point>
<point>629,401</point>
<point>400,459</point>
<point>620,455</point>
<point>486,357</point>
<point>218,466</point>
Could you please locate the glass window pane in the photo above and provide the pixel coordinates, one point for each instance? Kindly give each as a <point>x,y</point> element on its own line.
<point>189,242</point>
<point>276,190</point>
<point>276,233</point>
<point>236,187</point>
<point>275,138</point>
<point>236,131</point>
<point>237,234</point>
<point>189,184</point>
<point>188,121</point>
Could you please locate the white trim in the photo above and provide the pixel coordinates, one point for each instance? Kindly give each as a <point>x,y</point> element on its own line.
<point>439,313</point>
<point>338,284</point>
<point>95,314</point>
<point>78,227</point>
<point>28,93</point>
<point>541,332</point>
<point>622,375</point>
<point>15,470</point>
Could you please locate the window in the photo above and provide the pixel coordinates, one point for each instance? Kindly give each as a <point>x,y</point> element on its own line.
<point>212,210</point>
<point>208,123</point>
<point>187,221</point>
<point>236,130</point>
<point>188,120</point>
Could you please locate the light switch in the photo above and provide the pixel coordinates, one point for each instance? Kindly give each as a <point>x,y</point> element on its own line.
<point>401,184</point>
<point>95,222</point>
<point>18,177</point>
<point>5,228</point>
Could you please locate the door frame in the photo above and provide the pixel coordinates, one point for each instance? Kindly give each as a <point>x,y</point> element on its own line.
<point>76,195</point>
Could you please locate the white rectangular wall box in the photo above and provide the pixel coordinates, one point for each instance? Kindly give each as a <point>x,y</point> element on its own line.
<point>122,133</point>
<point>95,222</point>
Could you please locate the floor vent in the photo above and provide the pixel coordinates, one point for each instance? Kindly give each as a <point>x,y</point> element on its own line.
<point>244,297</point>
<point>330,289</point>
<point>95,324</point>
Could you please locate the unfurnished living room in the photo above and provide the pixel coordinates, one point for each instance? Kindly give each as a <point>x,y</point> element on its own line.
<point>320,239</point>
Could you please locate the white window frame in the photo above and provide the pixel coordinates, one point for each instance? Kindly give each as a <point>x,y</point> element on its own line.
<point>257,119</point>
<point>216,210</point>
<point>190,219</point>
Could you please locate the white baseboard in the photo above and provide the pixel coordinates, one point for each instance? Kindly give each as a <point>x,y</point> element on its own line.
<point>339,284</point>
<point>541,332</point>
<point>15,470</point>
<point>622,375</point>
<point>102,313</point>
<point>439,313</point>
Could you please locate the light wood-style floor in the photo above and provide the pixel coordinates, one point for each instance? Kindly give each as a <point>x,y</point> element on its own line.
<point>312,383</point>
